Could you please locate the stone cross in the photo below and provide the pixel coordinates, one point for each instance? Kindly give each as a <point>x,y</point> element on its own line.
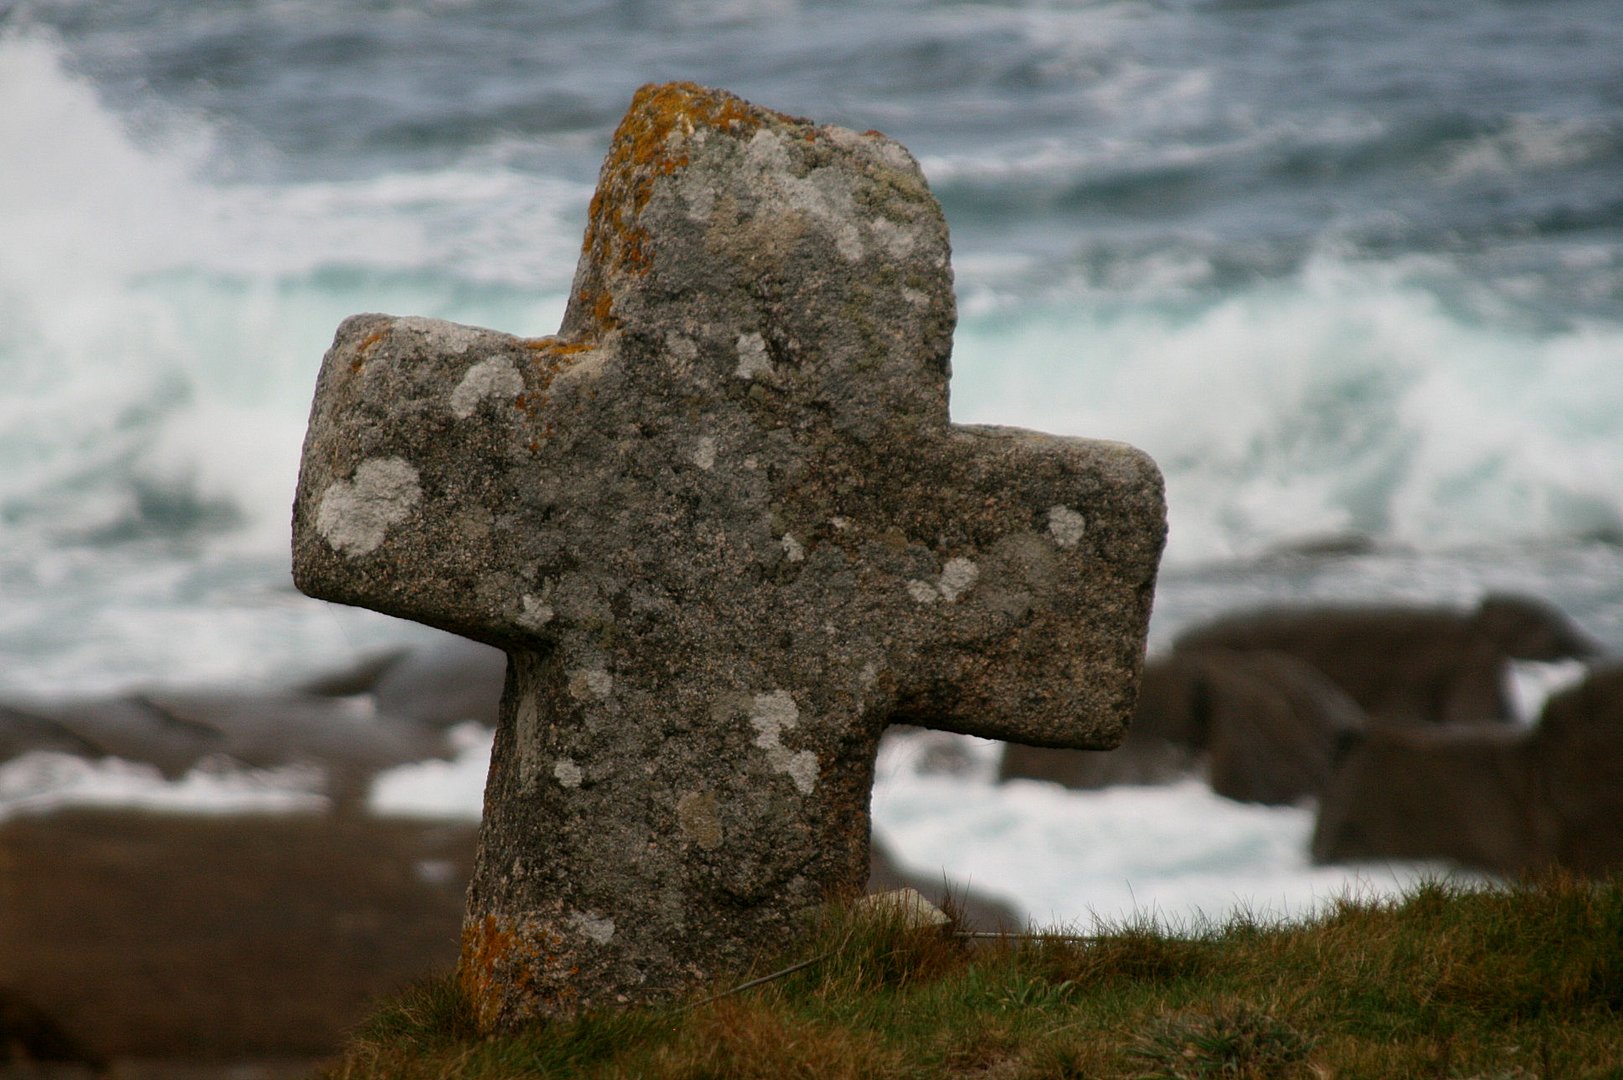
<point>726,533</point>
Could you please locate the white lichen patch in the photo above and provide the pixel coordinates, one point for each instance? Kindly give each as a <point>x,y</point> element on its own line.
<point>441,336</point>
<point>823,195</point>
<point>567,773</point>
<point>793,549</point>
<point>595,927</point>
<point>701,202</point>
<point>534,612</point>
<point>753,361</point>
<point>590,682</point>
<point>355,515</point>
<point>704,455</point>
<point>873,145</point>
<point>958,576</point>
<point>680,351</point>
<point>771,715</point>
<point>493,378</point>
<point>1066,526</point>
<point>897,240</point>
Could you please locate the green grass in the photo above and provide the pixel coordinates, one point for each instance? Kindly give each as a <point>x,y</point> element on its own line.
<point>1522,981</point>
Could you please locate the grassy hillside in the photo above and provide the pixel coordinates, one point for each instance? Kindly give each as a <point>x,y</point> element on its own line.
<point>1525,981</point>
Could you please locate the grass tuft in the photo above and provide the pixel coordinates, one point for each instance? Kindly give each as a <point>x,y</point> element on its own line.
<point>1237,1039</point>
<point>1520,981</point>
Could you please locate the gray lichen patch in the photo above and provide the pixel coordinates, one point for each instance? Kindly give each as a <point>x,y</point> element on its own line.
<point>593,926</point>
<point>753,361</point>
<point>771,715</point>
<point>704,453</point>
<point>355,515</point>
<point>958,576</point>
<point>567,773</point>
<point>1066,526</point>
<point>534,612</point>
<point>825,195</point>
<point>496,378</point>
<point>587,683</point>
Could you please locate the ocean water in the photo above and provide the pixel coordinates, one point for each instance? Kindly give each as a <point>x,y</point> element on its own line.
<point>1345,270</point>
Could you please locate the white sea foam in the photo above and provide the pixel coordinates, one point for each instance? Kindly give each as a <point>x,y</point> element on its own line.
<point>1348,399</point>
<point>42,781</point>
<point>162,315</point>
<point>160,331</point>
<point>453,790</point>
<point>1178,852</point>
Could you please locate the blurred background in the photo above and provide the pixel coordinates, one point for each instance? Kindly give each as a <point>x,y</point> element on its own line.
<point>1352,274</point>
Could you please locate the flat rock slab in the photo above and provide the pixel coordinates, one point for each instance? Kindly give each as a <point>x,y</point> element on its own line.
<point>151,936</point>
<point>170,947</point>
<point>725,532</point>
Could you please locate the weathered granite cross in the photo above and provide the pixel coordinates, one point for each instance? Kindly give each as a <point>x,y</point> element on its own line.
<point>726,533</point>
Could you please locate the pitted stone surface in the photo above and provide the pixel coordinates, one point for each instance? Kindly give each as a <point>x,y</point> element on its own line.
<point>726,533</point>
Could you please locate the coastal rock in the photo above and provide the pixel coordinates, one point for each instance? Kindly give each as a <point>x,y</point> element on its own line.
<point>448,682</point>
<point>977,909</point>
<point>1497,800</point>
<point>1407,665</point>
<point>169,937</point>
<point>1276,725</point>
<point>1464,793</point>
<point>1263,726</point>
<point>454,681</point>
<point>33,1043</point>
<point>177,731</point>
<point>358,677</point>
<point>726,533</point>
<point>1578,751</point>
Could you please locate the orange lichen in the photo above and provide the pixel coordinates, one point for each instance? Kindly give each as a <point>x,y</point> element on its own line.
<point>549,356</point>
<point>557,346</point>
<point>603,307</point>
<point>484,944</point>
<point>515,970</point>
<point>362,350</point>
<point>651,142</point>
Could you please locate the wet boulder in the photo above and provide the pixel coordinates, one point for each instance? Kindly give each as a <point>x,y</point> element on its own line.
<point>177,731</point>
<point>1264,727</point>
<point>1464,793</point>
<point>1406,664</point>
<point>454,681</point>
<point>1578,749</point>
<point>977,909</point>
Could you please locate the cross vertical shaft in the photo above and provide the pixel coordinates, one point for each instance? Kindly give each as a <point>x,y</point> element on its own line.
<point>726,533</point>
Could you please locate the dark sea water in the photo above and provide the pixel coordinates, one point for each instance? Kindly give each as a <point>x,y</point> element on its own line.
<point>1344,269</point>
